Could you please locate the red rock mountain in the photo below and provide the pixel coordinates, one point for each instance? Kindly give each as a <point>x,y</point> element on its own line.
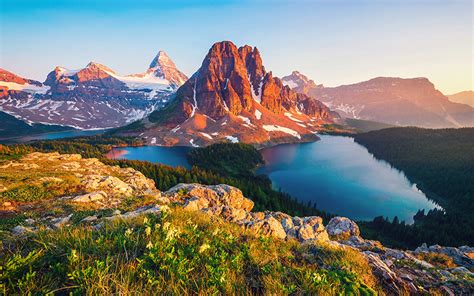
<point>233,97</point>
<point>92,97</point>
<point>398,101</point>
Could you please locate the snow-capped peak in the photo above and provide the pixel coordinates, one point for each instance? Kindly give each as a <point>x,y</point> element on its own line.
<point>94,65</point>
<point>296,79</point>
<point>162,60</point>
<point>163,67</point>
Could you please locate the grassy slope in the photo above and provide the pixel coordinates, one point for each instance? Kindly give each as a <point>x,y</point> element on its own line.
<point>180,253</point>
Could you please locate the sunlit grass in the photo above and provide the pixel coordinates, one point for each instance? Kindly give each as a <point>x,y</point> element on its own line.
<point>178,253</point>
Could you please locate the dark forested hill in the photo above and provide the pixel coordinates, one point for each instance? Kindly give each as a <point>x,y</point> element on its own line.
<point>441,163</point>
<point>13,127</point>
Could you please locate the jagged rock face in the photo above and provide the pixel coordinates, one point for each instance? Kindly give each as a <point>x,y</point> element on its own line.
<point>232,79</point>
<point>92,97</point>
<point>233,98</point>
<point>410,102</point>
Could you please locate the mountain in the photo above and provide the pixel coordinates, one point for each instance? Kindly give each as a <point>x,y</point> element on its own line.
<point>299,82</point>
<point>464,97</point>
<point>233,98</point>
<point>92,97</point>
<point>398,101</point>
<point>14,127</point>
<point>162,66</point>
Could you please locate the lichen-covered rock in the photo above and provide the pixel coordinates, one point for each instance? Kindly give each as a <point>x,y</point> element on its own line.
<point>342,228</point>
<point>153,209</point>
<point>216,195</point>
<point>268,226</point>
<point>61,221</point>
<point>107,183</point>
<point>462,256</point>
<point>90,197</point>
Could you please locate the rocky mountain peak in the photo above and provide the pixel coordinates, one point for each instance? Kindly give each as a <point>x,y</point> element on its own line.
<point>162,60</point>
<point>299,82</point>
<point>98,67</point>
<point>232,97</point>
<point>163,67</point>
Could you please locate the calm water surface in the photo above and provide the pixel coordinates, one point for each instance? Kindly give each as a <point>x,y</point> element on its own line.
<point>342,177</point>
<point>172,156</point>
<point>336,173</point>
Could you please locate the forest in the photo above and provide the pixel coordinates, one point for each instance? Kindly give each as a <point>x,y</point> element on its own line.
<point>441,163</point>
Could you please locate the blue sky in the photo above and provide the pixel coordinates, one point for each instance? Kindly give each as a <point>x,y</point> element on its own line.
<point>333,42</point>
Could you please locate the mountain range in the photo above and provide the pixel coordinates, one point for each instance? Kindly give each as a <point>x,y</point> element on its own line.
<point>231,97</point>
<point>92,97</point>
<point>398,101</point>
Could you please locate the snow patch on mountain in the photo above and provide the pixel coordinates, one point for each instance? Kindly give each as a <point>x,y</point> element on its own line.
<point>29,88</point>
<point>277,128</point>
<point>232,139</point>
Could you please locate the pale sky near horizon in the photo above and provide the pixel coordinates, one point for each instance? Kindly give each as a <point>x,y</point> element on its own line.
<point>332,42</point>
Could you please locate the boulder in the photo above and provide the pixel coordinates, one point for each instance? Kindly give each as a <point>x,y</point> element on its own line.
<point>196,204</point>
<point>216,195</point>
<point>153,209</point>
<point>342,228</point>
<point>90,197</point>
<point>89,219</point>
<point>269,226</point>
<point>110,184</point>
<point>61,221</point>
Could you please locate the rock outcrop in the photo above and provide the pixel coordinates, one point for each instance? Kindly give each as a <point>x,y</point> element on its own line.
<point>96,182</point>
<point>229,203</point>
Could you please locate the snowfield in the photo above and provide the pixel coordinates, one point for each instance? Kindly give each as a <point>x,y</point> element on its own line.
<point>277,128</point>
<point>29,88</point>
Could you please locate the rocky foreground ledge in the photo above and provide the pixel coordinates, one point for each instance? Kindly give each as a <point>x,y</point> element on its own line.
<point>93,185</point>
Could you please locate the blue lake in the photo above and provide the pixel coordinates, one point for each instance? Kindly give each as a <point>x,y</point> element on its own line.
<point>342,177</point>
<point>172,156</point>
<point>337,174</point>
